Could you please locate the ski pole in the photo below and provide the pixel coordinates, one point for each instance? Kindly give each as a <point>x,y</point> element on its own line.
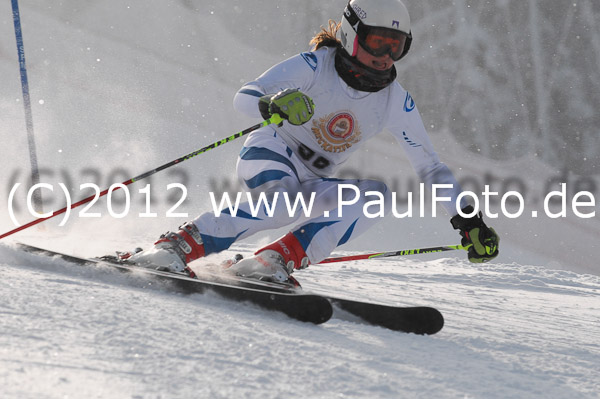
<point>276,119</point>
<point>404,252</point>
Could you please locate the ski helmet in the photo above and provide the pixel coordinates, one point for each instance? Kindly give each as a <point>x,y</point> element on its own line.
<point>378,26</point>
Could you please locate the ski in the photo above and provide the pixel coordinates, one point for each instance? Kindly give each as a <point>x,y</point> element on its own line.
<point>297,305</point>
<point>285,298</point>
<point>409,319</point>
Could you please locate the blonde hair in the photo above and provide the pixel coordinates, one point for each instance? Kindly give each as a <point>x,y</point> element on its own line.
<point>326,37</point>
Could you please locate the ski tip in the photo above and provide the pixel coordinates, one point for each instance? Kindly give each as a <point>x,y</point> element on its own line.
<point>420,320</point>
<point>427,321</point>
<point>308,308</point>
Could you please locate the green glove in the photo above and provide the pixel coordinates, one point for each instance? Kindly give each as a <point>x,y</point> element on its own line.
<point>481,239</point>
<point>290,104</point>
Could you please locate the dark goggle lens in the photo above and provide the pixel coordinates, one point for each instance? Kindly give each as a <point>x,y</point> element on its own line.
<point>379,43</point>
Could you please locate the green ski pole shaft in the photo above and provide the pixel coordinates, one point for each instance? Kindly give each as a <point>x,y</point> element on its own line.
<point>404,252</point>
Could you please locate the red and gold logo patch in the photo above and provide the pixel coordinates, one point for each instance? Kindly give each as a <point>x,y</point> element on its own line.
<point>336,132</point>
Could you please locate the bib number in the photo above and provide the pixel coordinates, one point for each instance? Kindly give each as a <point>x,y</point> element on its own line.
<point>307,154</point>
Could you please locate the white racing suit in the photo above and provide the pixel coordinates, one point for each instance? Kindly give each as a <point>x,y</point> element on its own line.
<point>303,159</point>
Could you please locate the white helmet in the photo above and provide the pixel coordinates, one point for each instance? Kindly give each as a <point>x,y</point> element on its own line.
<point>379,26</point>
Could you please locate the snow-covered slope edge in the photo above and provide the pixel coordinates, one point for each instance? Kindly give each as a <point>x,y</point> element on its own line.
<point>511,331</point>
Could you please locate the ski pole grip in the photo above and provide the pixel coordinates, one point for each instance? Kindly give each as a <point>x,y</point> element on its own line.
<point>276,119</point>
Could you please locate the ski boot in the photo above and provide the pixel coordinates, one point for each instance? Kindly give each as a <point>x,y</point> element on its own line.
<point>172,252</point>
<point>274,263</point>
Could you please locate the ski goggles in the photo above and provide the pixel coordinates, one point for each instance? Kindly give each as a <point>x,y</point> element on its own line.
<point>378,41</point>
<point>381,41</point>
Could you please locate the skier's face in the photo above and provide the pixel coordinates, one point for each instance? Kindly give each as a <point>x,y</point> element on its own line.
<point>380,63</point>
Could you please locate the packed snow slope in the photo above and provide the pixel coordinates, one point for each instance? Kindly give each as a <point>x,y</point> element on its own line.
<point>512,331</point>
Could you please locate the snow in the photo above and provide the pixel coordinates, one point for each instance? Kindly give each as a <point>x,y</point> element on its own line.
<point>511,331</point>
<point>118,89</point>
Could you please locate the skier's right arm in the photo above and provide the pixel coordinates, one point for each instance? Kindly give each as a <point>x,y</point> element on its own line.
<point>294,73</point>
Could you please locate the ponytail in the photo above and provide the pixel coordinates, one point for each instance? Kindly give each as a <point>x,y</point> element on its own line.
<point>327,37</point>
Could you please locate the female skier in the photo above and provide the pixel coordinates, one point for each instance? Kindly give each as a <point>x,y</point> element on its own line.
<point>332,100</point>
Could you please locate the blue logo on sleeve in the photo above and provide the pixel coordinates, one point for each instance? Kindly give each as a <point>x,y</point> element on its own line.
<point>310,59</point>
<point>409,104</point>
